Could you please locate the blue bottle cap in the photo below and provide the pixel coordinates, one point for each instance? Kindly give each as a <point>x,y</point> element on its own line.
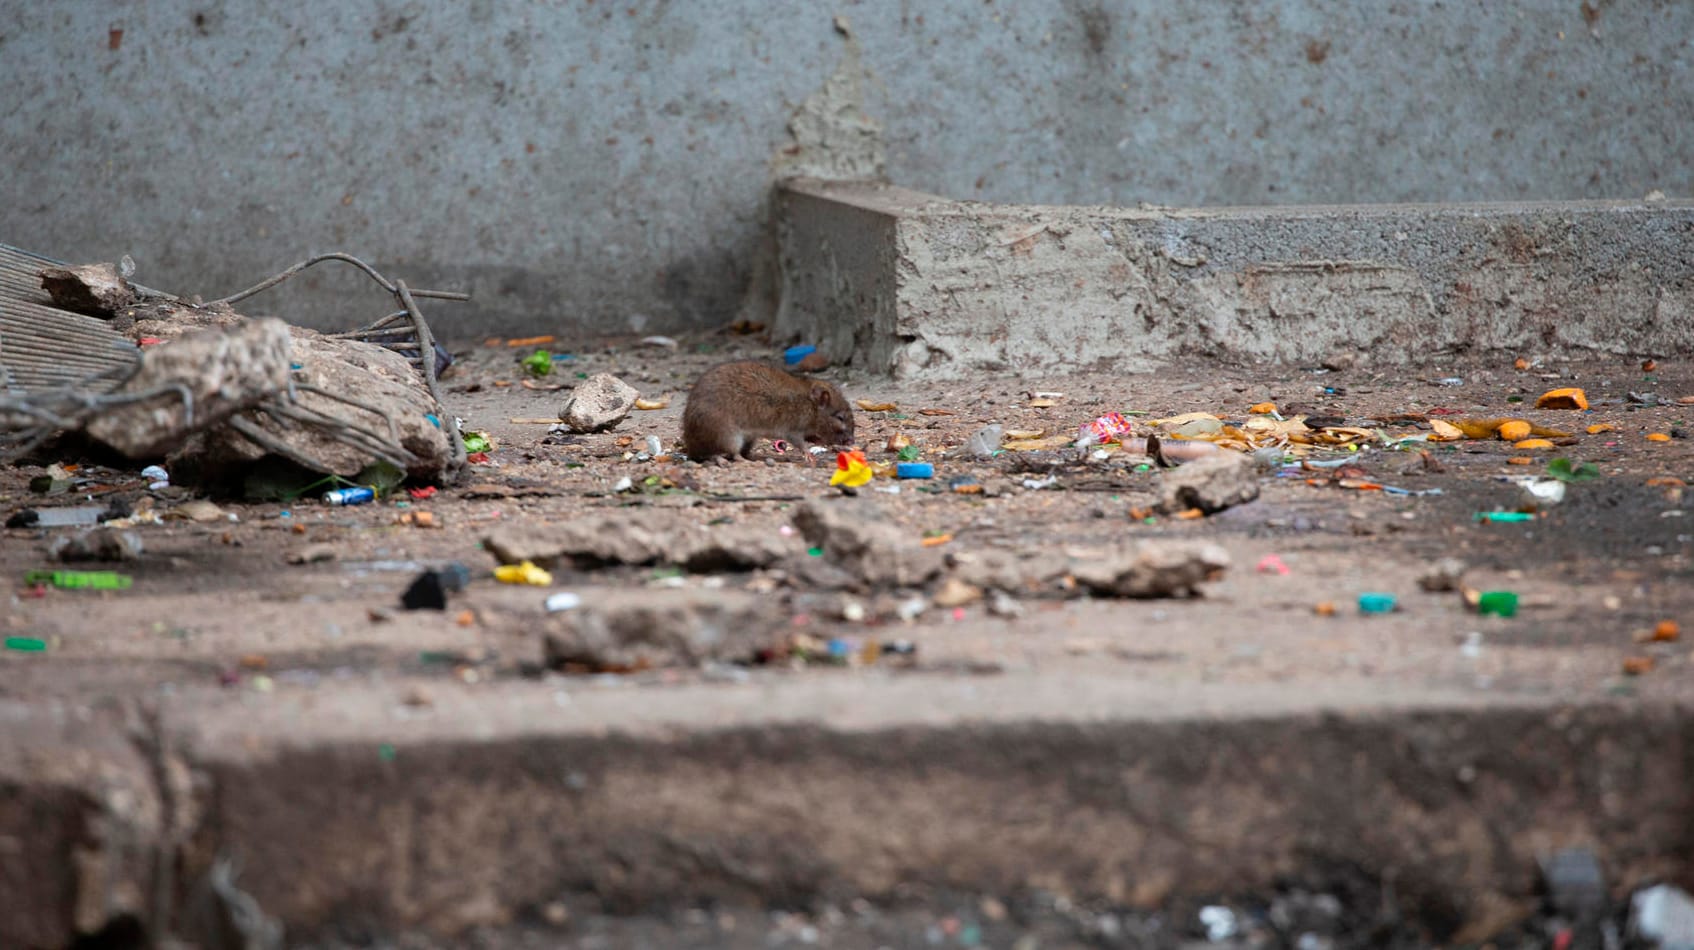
<point>795,354</point>
<point>914,470</point>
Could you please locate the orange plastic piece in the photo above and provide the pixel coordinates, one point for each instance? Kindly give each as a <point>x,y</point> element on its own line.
<point>1520,460</point>
<point>1262,409</point>
<point>1657,437</point>
<point>1514,430</point>
<point>1637,665</point>
<point>1600,427</point>
<point>1666,631</point>
<point>1532,444</point>
<point>1563,399</point>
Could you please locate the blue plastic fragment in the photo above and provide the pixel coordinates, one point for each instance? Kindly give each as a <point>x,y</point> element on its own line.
<point>434,420</point>
<point>1376,603</point>
<point>914,470</point>
<point>795,354</point>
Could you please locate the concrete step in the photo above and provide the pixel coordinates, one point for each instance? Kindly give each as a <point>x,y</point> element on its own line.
<point>906,283</point>
<point>351,807</point>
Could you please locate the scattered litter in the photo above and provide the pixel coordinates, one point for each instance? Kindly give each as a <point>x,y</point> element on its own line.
<point>1562,399</point>
<point>933,539</point>
<point>1528,444</point>
<point>564,600</point>
<point>794,354</point>
<point>477,442</point>
<point>524,572</point>
<point>1262,409</point>
<point>420,494</point>
<point>1220,923</point>
<point>663,342</point>
<point>985,442</point>
<point>1450,381</point>
<point>648,405</point>
<point>539,363</point>
<point>1666,631</point>
<point>61,517</point>
<point>523,341</point>
<point>80,580</point>
<point>1658,437</point>
<point>1377,603</point>
<point>1036,484</point>
<point>624,484</point>
<point>157,477</point>
<point>1271,564</point>
<point>869,406</point>
<point>357,495</point>
<point>1498,603</point>
<point>429,591</point>
<point>26,644</point>
<point>851,470</point>
<point>914,470</point>
<point>1663,915</point>
<point>1505,517</point>
<point>1107,428</point>
<point>1566,471</point>
<point>1514,430</point>
<point>655,448</point>
<point>1638,666</point>
<point>1541,492</point>
<point>1324,608</point>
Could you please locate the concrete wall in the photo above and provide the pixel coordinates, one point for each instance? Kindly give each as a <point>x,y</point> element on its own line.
<point>589,165</point>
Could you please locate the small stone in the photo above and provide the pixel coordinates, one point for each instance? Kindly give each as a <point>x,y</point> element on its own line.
<point>100,544</point>
<point>1167,569</point>
<point>813,362</point>
<point>1002,604</point>
<point>956,593</point>
<point>312,554</point>
<point>600,403</point>
<point>418,697</point>
<point>556,913</point>
<point>1337,362</point>
<point>1443,575</point>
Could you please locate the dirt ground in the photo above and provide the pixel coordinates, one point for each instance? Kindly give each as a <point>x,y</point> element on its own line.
<point>218,602</point>
<point>216,605</point>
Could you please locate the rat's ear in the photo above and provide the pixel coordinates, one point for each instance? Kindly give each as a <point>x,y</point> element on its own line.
<point>821,392</point>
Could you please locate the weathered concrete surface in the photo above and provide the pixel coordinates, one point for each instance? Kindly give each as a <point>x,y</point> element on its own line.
<point>82,823</point>
<point>347,808</point>
<point>591,166</point>
<point>898,281</point>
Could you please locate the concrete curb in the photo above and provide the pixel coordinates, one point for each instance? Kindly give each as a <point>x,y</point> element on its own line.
<point>487,805</point>
<point>911,284</point>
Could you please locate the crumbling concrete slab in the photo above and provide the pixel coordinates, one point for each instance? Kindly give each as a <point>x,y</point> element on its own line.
<point>485,806</point>
<point>81,824</point>
<point>901,282</point>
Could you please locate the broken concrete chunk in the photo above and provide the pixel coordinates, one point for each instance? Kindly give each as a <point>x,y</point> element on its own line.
<point>636,539</point>
<point>999,570</point>
<point>389,389</point>
<point>1211,483</point>
<point>638,629</point>
<point>1154,569</point>
<point>874,551</point>
<point>220,372</point>
<point>97,290</point>
<point>631,538</point>
<point>600,403</point>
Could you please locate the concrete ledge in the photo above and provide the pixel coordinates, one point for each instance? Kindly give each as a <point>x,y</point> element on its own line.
<point>898,281</point>
<point>348,811</point>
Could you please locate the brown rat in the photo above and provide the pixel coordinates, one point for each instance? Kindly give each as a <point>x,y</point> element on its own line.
<point>733,405</point>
